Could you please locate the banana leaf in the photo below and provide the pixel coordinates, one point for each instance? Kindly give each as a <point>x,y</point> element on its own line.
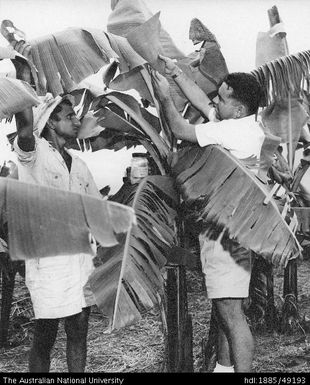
<point>129,280</point>
<point>145,38</point>
<point>303,216</point>
<point>276,118</point>
<point>229,196</point>
<point>15,96</point>
<point>110,115</point>
<point>198,32</point>
<point>284,115</point>
<point>146,42</point>
<point>212,63</point>
<point>131,107</point>
<point>45,221</point>
<point>207,68</point>
<point>128,15</point>
<point>65,58</point>
<point>132,80</point>
<point>269,148</point>
<point>268,48</point>
<point>125,123</point>
<point>128,58</point>
<point>259,292</point>
<point>287,75</point>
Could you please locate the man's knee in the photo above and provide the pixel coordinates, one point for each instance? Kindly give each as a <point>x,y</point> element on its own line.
<point>45,332</point>
<point>76,326</point>
<point>229,310</point>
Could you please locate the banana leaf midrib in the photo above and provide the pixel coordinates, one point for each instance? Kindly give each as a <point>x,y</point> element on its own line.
<point>137,264</point>
<point>155,138</point>
<point>231,197</point>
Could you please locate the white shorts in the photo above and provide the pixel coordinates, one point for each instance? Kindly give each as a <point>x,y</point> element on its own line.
<point>56,285</point>
<point>227,269</point>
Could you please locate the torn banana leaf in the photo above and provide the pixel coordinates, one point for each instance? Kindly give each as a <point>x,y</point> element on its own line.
<point>121,113</point>
<point>15,96</point>
<point>129,280</point>
<point>65,58</point>
<point>45,222</point>
<point>229,196</point>
<point>287,75</point>
<point>132,108</point>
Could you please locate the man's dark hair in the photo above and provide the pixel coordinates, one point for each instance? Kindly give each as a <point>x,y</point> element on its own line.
<point>246,90</point>
<point>58,108</point>
<point>54,115</point>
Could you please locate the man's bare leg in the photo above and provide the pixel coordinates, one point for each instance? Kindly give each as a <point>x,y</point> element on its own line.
<point>76,327</point>
<point>239,336</point>
<point>223,353</point>
<point>45,332</point>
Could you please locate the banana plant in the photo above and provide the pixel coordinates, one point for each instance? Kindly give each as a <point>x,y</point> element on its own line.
<point>125,121</point>
<point>129,278</point>
<point>284,79</point>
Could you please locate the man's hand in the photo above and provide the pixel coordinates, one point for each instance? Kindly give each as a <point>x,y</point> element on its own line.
<point>170,67</point>
<point>161,86</point>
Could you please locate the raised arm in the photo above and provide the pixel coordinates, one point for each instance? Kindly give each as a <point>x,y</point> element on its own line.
<point>190,89</point>
<point>24,119</point>
<point>179,126</point>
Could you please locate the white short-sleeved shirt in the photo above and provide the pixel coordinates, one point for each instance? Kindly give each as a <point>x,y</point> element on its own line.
<point>56,283</point>
<point>242,137</point>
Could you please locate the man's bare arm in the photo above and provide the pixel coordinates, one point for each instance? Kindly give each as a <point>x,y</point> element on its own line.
<point>24,126</point>
<point>179,126</point>
<point>190,89</point>
<point>24,119</point>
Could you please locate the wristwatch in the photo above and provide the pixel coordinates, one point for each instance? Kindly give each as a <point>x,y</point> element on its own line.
<point>177,73</point>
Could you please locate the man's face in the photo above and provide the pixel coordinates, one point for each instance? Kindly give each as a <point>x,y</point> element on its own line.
<point>226,106</point>
<point>68,126</point>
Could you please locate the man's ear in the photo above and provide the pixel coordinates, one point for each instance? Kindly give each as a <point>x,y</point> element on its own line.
<point>241,111</point>
<point>51,124</point>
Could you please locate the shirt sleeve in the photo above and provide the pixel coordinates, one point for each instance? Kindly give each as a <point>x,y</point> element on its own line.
<point>26,158</point>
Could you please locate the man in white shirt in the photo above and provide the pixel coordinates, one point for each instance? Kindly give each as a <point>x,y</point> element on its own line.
<point>226,265</point>
<point>56,284</point>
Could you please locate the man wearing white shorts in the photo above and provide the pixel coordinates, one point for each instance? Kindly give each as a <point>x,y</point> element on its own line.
<point>56,283</point>
<point>226,265</point>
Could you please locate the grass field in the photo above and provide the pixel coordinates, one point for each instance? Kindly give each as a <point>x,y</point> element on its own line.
<point>141,347</point>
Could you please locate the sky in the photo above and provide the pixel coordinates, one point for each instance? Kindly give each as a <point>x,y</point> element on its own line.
<point>235,23</point>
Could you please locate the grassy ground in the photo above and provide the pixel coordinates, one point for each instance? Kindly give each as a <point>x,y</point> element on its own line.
<point>140,347</point>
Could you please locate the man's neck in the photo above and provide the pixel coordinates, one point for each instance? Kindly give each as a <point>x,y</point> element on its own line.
<point>58,142</point>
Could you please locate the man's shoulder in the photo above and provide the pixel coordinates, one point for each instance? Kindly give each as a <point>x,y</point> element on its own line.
<point>248,122</point>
